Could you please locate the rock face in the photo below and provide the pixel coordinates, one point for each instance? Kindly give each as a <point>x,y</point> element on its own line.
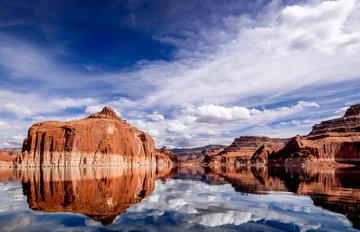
<point>336,140</point>
<point>243,148</point>
<point>100,139</point>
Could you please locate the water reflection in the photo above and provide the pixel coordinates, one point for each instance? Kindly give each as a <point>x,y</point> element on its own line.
<point>334,189</point>
<point>195,198</point>
<point>100,193</point>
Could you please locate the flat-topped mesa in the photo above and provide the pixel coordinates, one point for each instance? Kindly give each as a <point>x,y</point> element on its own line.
<point>243,148</point>
<point>344,126</point>
<point>100,139</point>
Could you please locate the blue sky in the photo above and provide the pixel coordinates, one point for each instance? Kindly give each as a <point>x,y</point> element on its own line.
<point>190,73</point>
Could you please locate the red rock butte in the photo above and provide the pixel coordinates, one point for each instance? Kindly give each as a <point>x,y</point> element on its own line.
<point>335,140</point>
<point>100,139</point>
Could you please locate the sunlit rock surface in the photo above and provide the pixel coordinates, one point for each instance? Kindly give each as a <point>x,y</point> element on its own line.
<point>336,140</point>
<point>100,139</point>
<point>241,151</point>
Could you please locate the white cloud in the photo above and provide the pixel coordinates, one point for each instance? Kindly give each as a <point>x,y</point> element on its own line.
<point>15,109</point>
<point>156,117</point>
<point>63,103</point>
<point>4,125</point>
<point>213,113</point>
<point>93,109</point>
<point>223,218</point>
<point>191,203</point>
<point>175,127</point>
<point>219,114</point>
<point>319,27</point>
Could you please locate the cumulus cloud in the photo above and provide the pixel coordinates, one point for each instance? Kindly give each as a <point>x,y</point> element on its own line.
<point>63,103</point>
<point>219,114</point>
<point>319,27</point>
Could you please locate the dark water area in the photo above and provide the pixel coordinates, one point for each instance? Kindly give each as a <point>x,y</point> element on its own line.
<point>180,199</point>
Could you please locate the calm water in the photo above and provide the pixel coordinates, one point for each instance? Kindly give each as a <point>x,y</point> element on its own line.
<point>182,199</point>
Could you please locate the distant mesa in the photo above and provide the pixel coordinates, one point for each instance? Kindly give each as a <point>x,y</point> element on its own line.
<point>100,139</point>
<point>7,157</point>
<point>330,142</point>
<point>197,155</point>
<point>336,140</point>
<point>173,157</point>
<point>240,152</point>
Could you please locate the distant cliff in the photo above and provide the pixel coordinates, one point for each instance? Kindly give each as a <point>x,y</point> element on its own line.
<point>241,151</point>
<point>332,141</point>
<point>336,140</point>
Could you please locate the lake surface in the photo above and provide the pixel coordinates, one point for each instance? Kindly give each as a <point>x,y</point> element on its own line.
<point>182,199</point>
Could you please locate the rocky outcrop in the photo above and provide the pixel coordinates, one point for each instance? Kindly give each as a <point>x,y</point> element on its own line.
<point>243,148</point>
<point>198,155</point>
<point>336,140</point>
<point>100,139</point>
<point>100,193</point>
<point>6,160</point>
<point>173,157</point>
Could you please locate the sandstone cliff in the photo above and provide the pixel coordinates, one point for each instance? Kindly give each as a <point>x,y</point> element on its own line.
<point>336,140</point>
<point>100,139</point>
<point>243,148</point>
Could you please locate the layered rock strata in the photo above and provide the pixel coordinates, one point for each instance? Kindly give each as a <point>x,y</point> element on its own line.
<point>243,148</point>
<point>336,140</point>
<point>100,139</point>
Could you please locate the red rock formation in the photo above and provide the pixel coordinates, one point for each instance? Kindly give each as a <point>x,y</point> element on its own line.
<point>100,193</point>
<point>100,139</point>
<point>173,157</point>
<point>6,160</point>
<point>336,140</point>
<point>243,148</point>
<point>197,155</point>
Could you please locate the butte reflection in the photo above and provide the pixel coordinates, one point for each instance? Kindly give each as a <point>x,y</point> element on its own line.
<point>99,193</point>
<point>335,189</point>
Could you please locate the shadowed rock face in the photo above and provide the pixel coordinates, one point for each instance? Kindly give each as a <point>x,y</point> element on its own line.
<point>100,193</point>
<point>336,140</point>
<point>100,139</point>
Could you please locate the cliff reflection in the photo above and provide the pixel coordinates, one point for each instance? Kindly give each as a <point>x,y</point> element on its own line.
<point>337,190</point>
<point>99,193</point>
